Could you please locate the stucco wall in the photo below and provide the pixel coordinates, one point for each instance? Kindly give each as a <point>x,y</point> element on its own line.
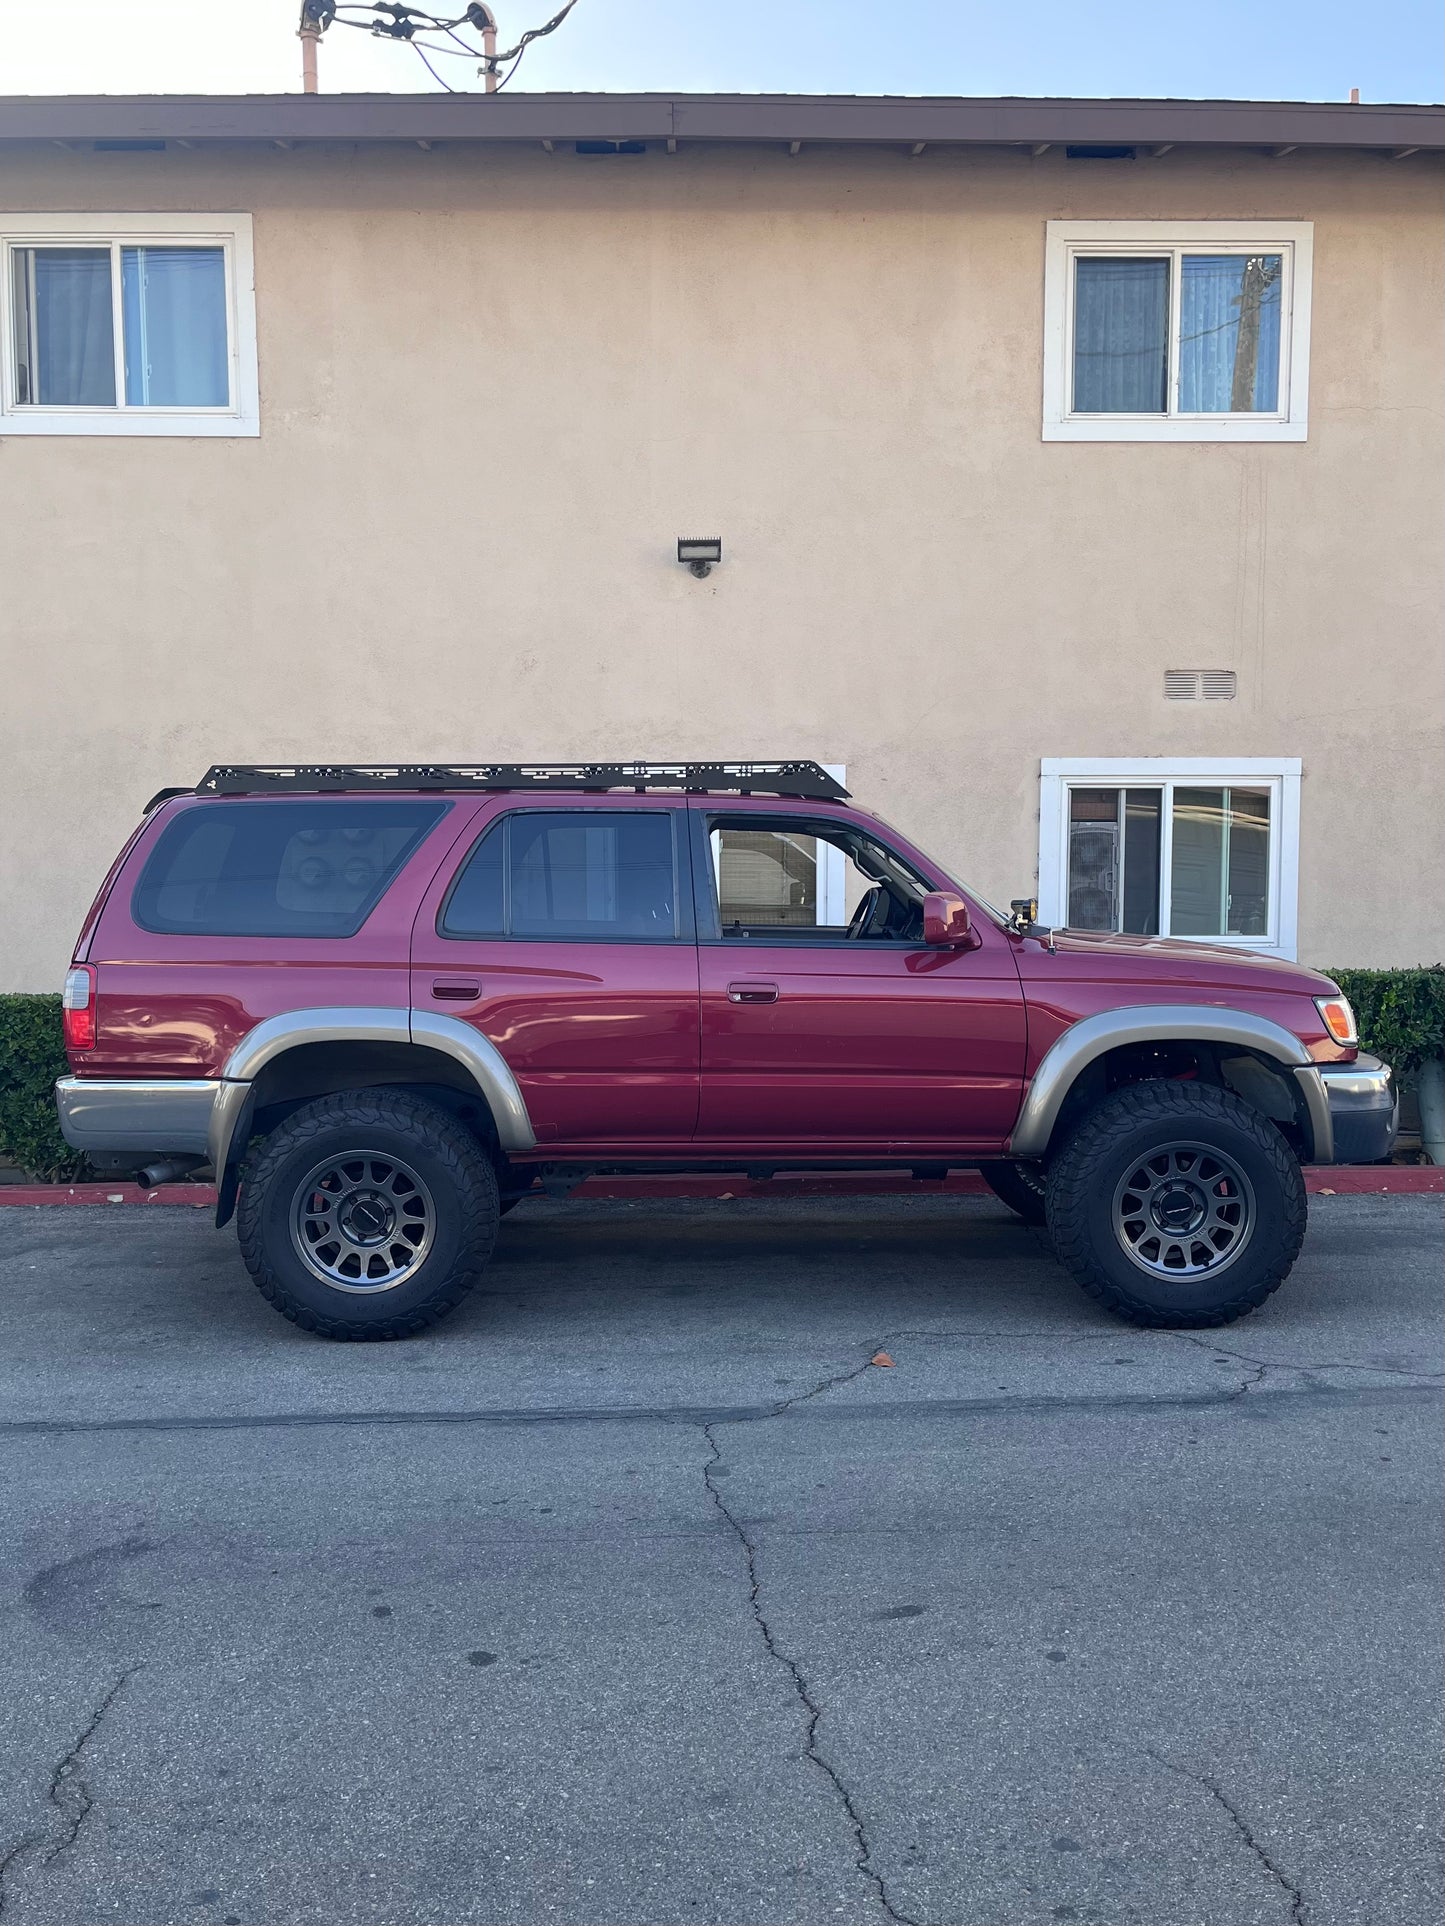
<point>497,385</point>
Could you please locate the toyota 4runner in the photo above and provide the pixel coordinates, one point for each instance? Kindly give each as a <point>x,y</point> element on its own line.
<point>385,1003</point>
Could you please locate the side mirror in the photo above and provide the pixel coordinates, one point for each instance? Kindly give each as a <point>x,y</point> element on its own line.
<point>945,920</point>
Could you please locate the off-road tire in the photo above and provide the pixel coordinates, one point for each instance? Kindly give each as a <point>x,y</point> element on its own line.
<point>455,1169</point>
<point>1084,1177</point>
<point>1020,1186</point>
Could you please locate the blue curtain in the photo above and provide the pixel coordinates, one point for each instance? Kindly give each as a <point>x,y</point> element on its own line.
<point>1229,329</point>
<point>67,346</point>
<point>1121,335</point>
<point>174,303</point>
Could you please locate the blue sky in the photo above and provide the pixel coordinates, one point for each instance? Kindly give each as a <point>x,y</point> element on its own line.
<point>1260,49</point>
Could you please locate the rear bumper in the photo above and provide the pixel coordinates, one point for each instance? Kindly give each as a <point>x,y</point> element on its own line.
<point>1364,1109</point>
<point>114,1116</point>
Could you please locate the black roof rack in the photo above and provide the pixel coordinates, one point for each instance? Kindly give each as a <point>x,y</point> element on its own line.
<point>164,795</point>
<point>795,779</point>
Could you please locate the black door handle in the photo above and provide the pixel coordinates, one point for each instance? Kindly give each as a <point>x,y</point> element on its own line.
<point>752,993</point>
<point>452,989</point>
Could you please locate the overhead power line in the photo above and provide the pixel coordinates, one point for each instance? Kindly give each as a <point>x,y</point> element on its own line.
<point>417,28</point>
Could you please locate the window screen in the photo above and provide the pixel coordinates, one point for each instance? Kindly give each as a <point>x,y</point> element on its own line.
<point>604,874</point>
<point>277,869</point>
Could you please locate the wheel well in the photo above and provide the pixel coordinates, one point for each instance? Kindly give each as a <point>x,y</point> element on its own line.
<point>320,1069</point>
<point>1263,1083</point>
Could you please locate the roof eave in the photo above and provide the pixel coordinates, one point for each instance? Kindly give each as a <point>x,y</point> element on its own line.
<point>832,119</point>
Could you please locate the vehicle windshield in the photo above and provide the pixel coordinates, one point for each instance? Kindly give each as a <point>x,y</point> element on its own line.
<point>898,870</point>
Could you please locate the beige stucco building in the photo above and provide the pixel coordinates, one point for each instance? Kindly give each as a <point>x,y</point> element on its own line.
<point>366,428</point>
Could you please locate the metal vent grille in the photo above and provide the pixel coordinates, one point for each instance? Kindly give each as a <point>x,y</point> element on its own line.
<point>1200,685</point>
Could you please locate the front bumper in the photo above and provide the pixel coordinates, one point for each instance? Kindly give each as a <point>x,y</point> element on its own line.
<point>121,1116</point>
<point>1364,1109</point>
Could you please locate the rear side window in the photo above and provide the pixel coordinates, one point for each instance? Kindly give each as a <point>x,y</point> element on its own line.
<point>277,869</point>
<point>605,874</point>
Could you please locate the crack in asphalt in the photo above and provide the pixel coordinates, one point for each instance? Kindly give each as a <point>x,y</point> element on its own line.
<point>68,1792</point>
<point>1412,1379</point>
<point>682,1414</point>
<point>812,1710</point>
<point>1307,1365</point>
<point>824,1384</point>
<point>1243,1828</point>
<point>8,1859</point>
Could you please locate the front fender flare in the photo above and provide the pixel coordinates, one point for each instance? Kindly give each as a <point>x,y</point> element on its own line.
<point>1085,1041</point>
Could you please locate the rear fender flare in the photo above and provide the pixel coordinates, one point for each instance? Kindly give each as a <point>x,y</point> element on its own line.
<point>477,1054</point>
<point>1092,1037</point>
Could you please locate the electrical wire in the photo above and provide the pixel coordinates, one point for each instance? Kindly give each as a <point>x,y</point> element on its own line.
<point>432,46</point>
<point>537,33</point>
<point>430,69</point>
<point>398,20</point>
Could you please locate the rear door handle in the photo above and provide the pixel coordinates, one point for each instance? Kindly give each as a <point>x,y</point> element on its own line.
<point>752,993</point>
<point>452,989</point>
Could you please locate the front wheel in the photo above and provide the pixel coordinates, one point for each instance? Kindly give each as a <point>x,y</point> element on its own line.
<point>368,1214</point>
<point>1177,1205</point>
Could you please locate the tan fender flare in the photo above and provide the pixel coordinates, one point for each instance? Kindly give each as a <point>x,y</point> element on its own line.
<point>1092,1037</point>
<point>477,1054</point>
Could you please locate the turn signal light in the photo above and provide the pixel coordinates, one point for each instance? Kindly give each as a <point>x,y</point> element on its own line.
<point>1339,1018</point>
<point>77,1005</point>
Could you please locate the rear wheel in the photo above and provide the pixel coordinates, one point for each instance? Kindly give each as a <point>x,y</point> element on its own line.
<point>1020,1186</point>
<point>369,1214</point>
<point>1177,1205</point>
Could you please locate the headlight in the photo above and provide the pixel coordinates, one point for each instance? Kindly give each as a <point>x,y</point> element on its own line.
<point>1339,1018</point>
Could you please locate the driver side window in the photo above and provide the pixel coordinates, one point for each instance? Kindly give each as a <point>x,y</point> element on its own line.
<point>799,882</point>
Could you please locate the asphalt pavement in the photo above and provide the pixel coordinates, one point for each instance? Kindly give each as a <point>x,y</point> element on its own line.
<point>637,1595</point>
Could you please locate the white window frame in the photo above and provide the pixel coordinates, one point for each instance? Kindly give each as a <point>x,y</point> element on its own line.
<point>1066,241</point>
<point>1279,774</point>
<point>230,232</point>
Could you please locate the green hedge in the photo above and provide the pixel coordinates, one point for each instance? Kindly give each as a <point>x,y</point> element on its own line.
<point>1401,1015</point>
<point>32,1056</point>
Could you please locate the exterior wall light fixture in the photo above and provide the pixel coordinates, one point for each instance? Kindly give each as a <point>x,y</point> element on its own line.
<point>699,552</point>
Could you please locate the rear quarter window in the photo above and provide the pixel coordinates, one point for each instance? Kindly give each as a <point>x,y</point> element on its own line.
<point>277,869</point>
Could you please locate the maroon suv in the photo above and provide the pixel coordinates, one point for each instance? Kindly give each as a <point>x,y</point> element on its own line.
<point>384,1003</point>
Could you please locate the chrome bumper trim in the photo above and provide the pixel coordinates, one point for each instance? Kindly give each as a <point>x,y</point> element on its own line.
<point>160,1114</point>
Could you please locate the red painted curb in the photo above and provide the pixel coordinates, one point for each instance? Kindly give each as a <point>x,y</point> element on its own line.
<point>1321,1180</point>
<point>1373,1180</point>
<point>198,1195</point>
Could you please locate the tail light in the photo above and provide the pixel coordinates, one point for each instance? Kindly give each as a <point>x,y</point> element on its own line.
<point>1339,1018</point>
<point>78,1008</point>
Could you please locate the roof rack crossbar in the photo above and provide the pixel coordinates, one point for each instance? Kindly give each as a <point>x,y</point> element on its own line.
<point>804,780</point>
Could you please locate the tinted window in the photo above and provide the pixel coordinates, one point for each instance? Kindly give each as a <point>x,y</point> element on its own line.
<point>602,874</point>
<point>277,869</point>
<point>474,907</point>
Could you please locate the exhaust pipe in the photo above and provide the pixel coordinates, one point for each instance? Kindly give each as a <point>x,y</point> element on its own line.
<point>167,1170</point>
